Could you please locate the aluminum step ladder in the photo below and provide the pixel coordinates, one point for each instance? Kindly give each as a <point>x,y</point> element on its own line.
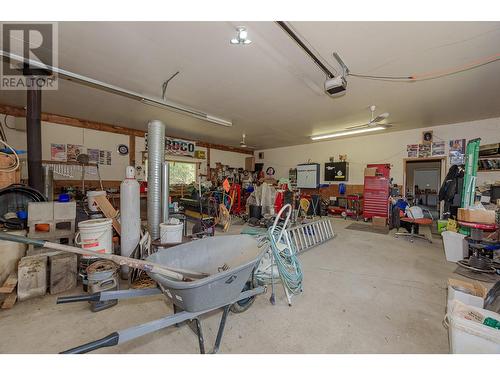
<point>308,235</point>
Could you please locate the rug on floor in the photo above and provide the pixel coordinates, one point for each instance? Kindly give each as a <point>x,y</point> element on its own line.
<point>367,228</point>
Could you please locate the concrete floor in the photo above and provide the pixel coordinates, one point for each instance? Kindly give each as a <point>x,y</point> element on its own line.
<point>363,293</point>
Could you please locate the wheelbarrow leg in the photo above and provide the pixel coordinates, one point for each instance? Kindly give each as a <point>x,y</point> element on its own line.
<point>199,332</point>
<point>220,332</point>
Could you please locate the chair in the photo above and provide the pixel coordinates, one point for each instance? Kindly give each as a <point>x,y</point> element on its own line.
<point>415,217</point>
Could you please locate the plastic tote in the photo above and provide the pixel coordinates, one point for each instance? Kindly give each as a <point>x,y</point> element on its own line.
<point>468,336</point>
<point>455,246</point>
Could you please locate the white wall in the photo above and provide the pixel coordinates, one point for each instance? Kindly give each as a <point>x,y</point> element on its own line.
<point>57,133</point>
<point>379,148</point>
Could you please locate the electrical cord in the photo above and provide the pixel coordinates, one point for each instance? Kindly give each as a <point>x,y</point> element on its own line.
<point>431,75</point>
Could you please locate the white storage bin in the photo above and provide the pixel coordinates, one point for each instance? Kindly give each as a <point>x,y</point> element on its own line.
<point>471,293</point>
<point>470,337</point>
<point>455,246</point>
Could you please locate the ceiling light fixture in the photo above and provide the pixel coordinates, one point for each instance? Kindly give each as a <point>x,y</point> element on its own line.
<point>342,134</point>
<point>90,82</point>
<point>241,37</point>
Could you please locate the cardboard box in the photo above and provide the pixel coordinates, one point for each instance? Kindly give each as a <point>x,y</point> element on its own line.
<point>476,216</point>
<point>378,221</point>
<point>370,172</point>
<point>250,163</point>
<point>471,293</point>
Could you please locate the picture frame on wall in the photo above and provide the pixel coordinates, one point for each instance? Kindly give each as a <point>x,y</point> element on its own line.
<point>427,137</point>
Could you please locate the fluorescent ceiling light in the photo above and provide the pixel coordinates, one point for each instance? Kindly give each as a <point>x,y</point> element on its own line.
<point>350,132</point>
<point>87,81</point>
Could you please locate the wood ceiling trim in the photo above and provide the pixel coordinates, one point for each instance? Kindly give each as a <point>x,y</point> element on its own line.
<point>95,125</point>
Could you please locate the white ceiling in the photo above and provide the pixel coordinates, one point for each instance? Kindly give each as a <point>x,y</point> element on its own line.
<point>270,89</point>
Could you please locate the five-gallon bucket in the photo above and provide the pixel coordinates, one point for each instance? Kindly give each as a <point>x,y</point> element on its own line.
<point>455,246</point>
<point>96,236</point>
<point>171,233</point>
<point>91,202</point>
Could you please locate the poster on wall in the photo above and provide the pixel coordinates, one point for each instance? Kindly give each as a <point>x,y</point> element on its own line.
<point>424,150</point>
<point>104,157</point>
<point>457,151</point>
<point>412,150</point>
<point>93,154</point>
<point>58,151</point>
<point>73,151</point>
<point>457,145</point>
<point>175,146</point>
<point>438,148</point>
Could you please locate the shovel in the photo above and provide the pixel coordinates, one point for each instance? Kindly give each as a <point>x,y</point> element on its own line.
<point>178,274</point>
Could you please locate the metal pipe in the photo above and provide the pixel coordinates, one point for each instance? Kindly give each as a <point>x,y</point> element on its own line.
<point>165,191</point>
<point>78,78</point>
<point>156,157</point>
<point>34,138</point>
<point>48,183</point>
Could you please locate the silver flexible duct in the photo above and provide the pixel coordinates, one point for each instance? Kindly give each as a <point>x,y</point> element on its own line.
<point>156,156</point>
<point>165,191</point>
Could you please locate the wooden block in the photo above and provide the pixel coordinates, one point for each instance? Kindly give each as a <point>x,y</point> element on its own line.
<point>32,277</point>
<point>10,284</point>
<point>9,302</point>
<point>63,270</point>
<point>109,211</point>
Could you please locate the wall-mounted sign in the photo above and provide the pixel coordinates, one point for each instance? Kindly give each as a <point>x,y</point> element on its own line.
<point>175,146</point>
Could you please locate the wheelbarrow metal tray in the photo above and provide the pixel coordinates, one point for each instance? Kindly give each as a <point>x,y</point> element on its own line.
<point>240,253</point>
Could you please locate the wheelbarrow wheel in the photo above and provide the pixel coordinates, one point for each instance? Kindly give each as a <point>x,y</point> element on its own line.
<point>243,304</point>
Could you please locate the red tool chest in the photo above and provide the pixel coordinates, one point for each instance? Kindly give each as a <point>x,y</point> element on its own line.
<point>376,192</point>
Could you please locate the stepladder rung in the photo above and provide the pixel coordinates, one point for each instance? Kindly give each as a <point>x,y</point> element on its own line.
<point>311,234</point>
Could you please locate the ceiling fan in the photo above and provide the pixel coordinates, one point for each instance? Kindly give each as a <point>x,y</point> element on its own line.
<point>243,143</point>
<point>375,120</point>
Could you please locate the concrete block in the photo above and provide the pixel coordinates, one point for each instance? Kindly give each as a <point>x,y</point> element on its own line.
<point>63,272</point>
<point>40,211</point>
<point>64,210</point>
<point>32,277</point>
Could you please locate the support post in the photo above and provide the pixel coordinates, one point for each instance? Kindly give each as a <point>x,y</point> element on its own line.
<point>34,138</point>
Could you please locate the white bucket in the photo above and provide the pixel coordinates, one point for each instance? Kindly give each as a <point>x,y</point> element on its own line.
<point>470,337</point>
<point>455,246</point>
<point>171,233</point>
<point>96,236</point>
<point>91,202</point>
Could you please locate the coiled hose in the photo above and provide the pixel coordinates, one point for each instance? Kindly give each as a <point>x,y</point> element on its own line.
<point>285,258</point>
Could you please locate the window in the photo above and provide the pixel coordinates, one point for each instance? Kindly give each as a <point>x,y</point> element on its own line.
<point>182,173</point>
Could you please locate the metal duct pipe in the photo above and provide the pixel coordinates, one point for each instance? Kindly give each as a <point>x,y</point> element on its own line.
<point>34,138</point>
<point>156,156</point>
<point>165,191</point>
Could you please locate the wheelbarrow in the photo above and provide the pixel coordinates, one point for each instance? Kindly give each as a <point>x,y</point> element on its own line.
<point>223,267</point>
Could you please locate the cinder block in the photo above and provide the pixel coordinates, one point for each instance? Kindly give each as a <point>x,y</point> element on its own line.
<point>40,211</point>
<point>64,210</point>
<point>63,271</point>
<point>32,277</point>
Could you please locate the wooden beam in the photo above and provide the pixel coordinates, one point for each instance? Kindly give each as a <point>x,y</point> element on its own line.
<point>95,125</point>
<point>131,150</point>
<point>9,285</point>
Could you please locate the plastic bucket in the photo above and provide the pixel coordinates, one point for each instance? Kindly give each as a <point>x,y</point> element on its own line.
<point>91,202</point>
<point>96,236</point>
<point>468,336</point>
<point>455,246</point>
<point>171,233</point>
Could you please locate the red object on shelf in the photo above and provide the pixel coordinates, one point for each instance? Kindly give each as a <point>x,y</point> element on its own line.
<point>376,192</point>
<point>485,227</point>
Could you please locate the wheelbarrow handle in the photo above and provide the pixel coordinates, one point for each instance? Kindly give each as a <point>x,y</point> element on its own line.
<point>83,297</point>
<point>110,340</point>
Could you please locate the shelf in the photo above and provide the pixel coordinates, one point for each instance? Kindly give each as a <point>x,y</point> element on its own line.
<point>488,170</point>
<point>496,156</point>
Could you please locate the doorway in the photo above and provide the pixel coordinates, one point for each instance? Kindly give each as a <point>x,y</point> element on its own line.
<point>423,180</point>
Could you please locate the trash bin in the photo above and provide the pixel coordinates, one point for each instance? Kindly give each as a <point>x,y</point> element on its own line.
<point>455,246</point>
